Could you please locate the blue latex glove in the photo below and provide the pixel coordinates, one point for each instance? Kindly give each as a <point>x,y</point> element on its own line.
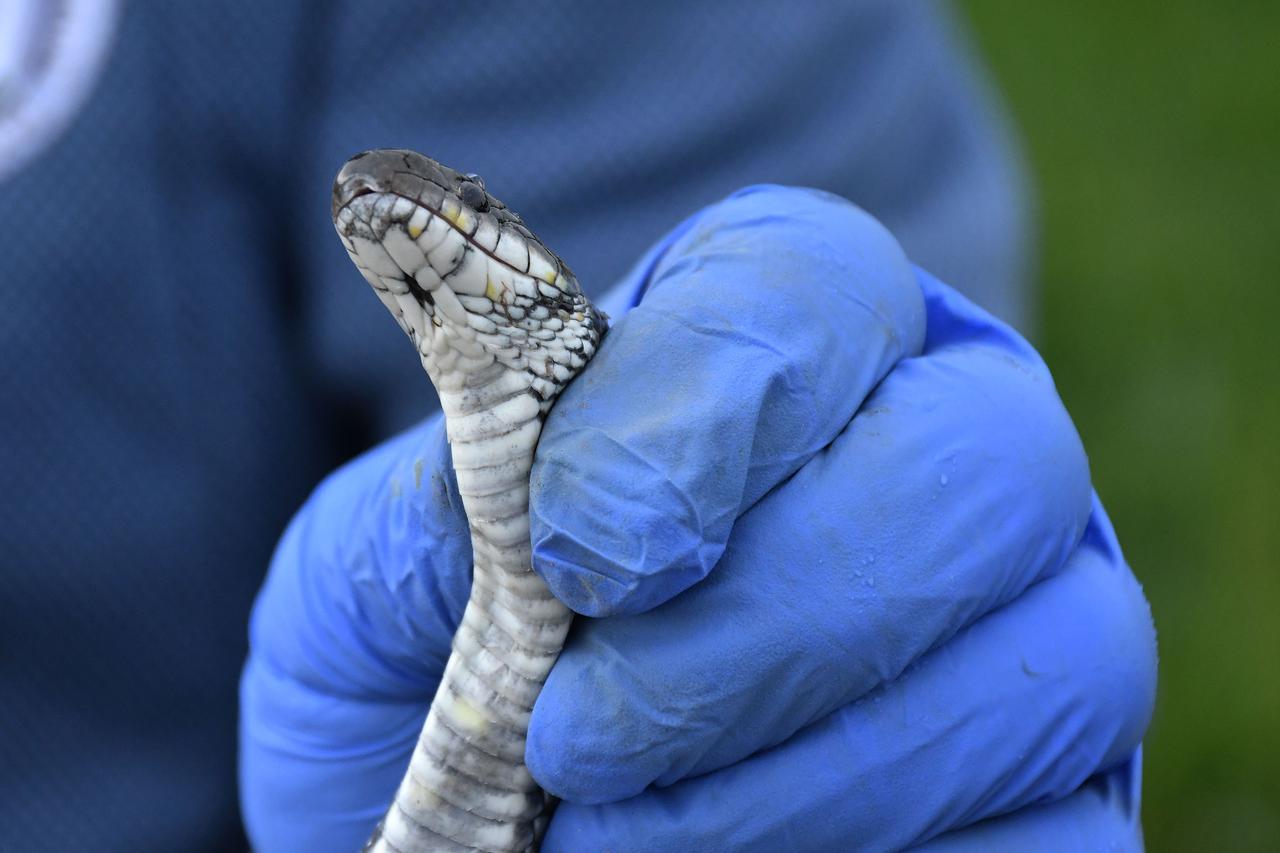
<point>857,593</point>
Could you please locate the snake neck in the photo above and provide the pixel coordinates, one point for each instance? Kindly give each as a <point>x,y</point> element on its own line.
<point>510,635</point>
<point>493,429</point>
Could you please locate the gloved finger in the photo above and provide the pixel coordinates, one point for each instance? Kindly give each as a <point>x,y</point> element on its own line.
<point>1102,815</point>
<point>767,320</point>
<point>348,639</point>
<point>960,483</point>
<point>317,770</point>
<point>1020,708</point>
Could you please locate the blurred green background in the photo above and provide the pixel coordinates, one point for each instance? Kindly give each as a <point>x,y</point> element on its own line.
<point>1153,132</point>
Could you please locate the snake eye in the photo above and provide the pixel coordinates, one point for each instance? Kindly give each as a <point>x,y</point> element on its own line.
<point>473,195</point>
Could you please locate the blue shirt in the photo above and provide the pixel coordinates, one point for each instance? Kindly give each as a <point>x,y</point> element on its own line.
<point>185,349</point>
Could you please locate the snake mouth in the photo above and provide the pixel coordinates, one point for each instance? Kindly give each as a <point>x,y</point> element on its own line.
<point>409,223</point>
<point>442,254</point>
<point>382,210</point>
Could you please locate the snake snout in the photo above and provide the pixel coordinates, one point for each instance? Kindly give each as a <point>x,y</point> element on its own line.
<point>365,173</point>
<point>389,170</point>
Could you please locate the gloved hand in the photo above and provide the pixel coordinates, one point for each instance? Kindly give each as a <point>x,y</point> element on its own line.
<point>853,588</point>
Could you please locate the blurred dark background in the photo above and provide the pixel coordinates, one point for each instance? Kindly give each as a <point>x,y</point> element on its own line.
<point>1153,132</point>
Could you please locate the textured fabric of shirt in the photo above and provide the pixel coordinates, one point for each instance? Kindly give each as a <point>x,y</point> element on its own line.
<point>185,350</point>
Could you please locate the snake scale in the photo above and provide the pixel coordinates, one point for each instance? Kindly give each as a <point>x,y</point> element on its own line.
<point>501,326</point>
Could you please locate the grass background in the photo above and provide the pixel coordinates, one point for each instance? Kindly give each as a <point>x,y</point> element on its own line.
<point>1153,131</point>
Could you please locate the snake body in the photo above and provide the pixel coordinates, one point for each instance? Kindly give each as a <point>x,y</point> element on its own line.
<point>501,326</point>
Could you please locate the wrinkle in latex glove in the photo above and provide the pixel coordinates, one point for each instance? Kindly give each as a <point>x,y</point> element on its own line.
<point>1102,815</point>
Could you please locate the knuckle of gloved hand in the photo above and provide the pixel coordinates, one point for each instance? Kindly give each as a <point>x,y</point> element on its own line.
<point>1123,646</point>
<point>1017,412</point>
<point>807,257</point>
<point>1142,640</point>
<point>1009,406</point>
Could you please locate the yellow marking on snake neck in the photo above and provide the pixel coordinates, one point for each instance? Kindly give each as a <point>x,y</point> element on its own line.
<point>415,231</point>
<point>491,290</point>
<point>467,715</point>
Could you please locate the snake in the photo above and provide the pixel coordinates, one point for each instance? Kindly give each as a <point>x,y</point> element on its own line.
<point>501,326</point>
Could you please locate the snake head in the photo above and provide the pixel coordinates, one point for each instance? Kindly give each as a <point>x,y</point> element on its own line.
<point>463,276</point>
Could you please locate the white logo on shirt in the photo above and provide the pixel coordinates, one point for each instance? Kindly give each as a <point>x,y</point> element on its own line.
<point>51,52</point>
